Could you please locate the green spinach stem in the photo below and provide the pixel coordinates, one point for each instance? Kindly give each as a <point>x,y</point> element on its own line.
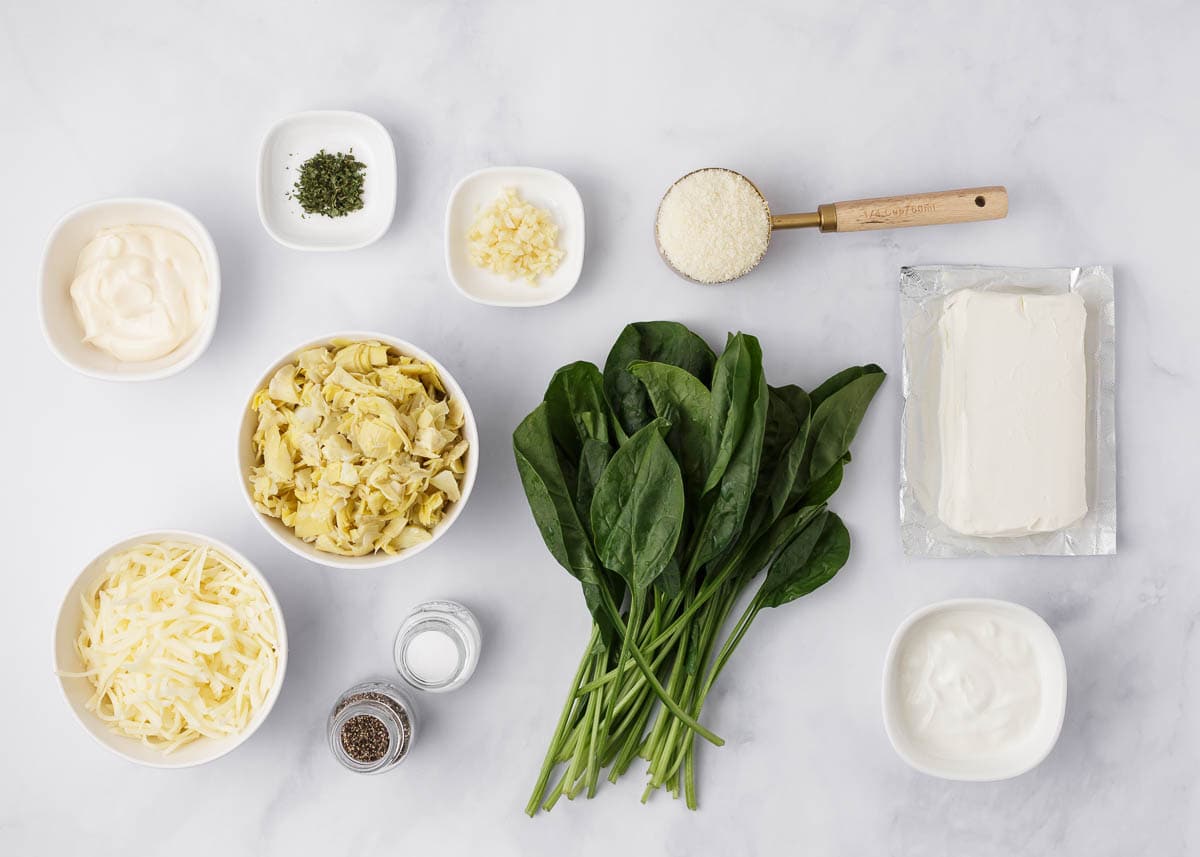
<point>648,672</point>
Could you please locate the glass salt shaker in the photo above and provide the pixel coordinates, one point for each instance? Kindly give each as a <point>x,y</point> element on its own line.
<point>437,646</point>
<point>371,727</point>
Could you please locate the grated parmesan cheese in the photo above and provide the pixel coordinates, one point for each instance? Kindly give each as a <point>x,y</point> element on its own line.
<point>515,238</point>
<point>713,225</point>
<point>179,642</point>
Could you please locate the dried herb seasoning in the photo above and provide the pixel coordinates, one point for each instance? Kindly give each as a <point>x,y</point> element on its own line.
<point>330,184</point>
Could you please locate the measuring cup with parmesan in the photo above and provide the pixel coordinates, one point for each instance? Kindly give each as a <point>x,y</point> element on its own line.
<point>714,224</point>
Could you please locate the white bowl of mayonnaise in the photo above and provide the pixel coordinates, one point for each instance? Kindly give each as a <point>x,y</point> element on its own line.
<point>974,689</point>
<point>128,289</point>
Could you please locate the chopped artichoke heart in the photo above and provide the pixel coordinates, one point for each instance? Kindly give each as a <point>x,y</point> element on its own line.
<point>514,238</point>
<point>445,482</point>
<point>283,385</point>
<point>358,449</point>
<point>276,456</point>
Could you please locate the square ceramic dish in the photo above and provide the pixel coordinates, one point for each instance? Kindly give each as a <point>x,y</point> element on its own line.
<point>544,188</point>
<point>973,640</point>
<point>60,323</point>
<point>296,138</point>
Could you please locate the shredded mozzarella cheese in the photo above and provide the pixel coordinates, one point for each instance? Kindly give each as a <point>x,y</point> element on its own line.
<point>179,642</point>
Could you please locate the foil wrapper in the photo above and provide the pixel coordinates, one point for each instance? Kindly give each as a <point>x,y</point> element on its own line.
<point>922,292</point>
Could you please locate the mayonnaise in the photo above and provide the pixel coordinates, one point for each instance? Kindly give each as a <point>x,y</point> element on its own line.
<point>140,291</point>
<point>970,684</point>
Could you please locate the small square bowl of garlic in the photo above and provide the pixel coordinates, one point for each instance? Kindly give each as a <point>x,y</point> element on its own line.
<point>514,236</point>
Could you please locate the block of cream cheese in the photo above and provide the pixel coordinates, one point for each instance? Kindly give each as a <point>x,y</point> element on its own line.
<point>1011,413</point>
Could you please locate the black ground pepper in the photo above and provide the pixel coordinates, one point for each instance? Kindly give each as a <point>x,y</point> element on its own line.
<point>403,724</point>
<point>365,738</point>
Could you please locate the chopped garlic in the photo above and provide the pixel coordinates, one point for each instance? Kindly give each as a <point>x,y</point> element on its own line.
<point>515,238</point>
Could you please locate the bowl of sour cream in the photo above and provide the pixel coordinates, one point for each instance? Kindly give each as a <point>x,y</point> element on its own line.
<point>974,689</point>
<point>128,289</point>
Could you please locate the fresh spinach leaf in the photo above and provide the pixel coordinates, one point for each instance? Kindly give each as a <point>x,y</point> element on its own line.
<point>778,535</point>
<point>577,409</point>
<point>726,509</point>
<point>796,552</point>
<point>670,582</point>
<point>782,425</point>
<point>823,488</point>
<point>558,516</point>
<point>811,560</point>
<point>834,383</point>
<point>549,498</point>
<point>795,399</point>
<point>835,421</point>
<point>785,469</point>
<point>681,398</point>
<point>659,342</point>
<point>734,392</point>
<point>592,460</point>
<point>637,510</point>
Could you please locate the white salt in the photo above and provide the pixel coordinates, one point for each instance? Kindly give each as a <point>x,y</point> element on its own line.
<point>432,656</point>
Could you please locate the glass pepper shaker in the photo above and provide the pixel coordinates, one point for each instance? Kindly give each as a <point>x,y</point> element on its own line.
<point>371,727</point>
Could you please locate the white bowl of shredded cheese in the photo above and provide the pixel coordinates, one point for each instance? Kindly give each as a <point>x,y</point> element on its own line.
<point>170,648</point>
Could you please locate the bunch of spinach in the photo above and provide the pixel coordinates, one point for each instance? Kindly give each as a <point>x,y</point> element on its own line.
<point>665,484</point>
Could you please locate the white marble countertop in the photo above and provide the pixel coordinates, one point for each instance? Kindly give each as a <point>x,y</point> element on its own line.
<point>1081,109</point>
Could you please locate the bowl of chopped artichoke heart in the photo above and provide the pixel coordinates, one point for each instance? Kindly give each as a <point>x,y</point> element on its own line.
<point>357,450</point>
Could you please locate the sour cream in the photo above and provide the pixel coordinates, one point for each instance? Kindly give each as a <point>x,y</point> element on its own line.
<point>975,689</point>
<point>139,291</point>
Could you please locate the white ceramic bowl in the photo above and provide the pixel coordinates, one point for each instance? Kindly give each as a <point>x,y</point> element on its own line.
<point>998,763</point>
<point>60,323</point>
<point>78,690</point>
<point>296,138</point>
<point>284,534</point>
<point>545,189</point>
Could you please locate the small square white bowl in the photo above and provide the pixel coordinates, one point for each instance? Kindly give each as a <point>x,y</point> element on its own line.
<point>296,138</point>
<point>60,322</point>
<point>544,188</point>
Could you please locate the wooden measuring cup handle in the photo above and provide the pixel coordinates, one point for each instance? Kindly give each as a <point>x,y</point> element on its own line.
<point>920,209</point>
